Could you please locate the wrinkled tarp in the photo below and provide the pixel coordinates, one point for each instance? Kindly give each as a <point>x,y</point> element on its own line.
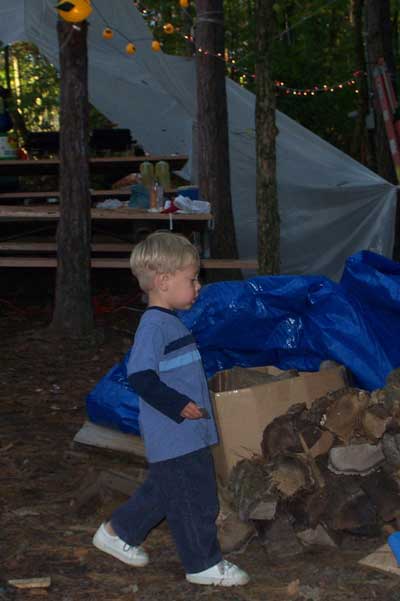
<point>113,403</point>
<point>330,205</point>
<point>292,322</point>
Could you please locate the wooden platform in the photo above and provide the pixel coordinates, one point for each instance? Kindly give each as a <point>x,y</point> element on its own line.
<point>107,438</point>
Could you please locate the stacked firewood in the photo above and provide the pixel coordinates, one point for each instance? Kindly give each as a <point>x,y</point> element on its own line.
<point>326,470</point>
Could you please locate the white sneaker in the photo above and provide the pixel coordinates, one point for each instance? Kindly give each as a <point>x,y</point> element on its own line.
<point>113,545</point>
<point>223,573</point>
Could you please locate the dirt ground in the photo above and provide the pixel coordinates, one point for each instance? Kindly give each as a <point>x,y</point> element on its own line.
<point>44,382</point>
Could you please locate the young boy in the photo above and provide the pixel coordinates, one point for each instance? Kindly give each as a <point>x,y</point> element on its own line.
<point>176,422</point>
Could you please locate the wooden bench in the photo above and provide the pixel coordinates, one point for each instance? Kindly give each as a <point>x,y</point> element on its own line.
<point>99,194</point>
<point>52,213</point>
<point>121,263</point>
<point>97,262</point>
<point>121,165</point>
<point>30,253</point>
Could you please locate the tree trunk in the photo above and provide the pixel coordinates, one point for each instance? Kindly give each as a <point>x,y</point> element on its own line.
<point>73,315</point>
<point>379,43</point>
<point>212,122</point>
<point>267,198</point>
<point>361,146</point>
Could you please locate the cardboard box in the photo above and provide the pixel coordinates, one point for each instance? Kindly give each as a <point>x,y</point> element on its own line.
<point>247,400</point>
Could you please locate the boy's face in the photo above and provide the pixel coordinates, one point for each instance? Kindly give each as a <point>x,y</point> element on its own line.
<point>180,289</point>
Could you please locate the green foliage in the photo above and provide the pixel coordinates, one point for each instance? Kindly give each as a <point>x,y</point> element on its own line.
<point>313,48</point>
<point>35,86</point>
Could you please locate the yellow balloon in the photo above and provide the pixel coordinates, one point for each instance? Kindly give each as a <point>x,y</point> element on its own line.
<point>155,45</point>
<point>169,28</point>
<point>74,11</point>
<point>130,48</point>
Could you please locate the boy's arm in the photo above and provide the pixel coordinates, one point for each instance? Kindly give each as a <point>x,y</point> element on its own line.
<point>165,399</point>
<point>142,370</point>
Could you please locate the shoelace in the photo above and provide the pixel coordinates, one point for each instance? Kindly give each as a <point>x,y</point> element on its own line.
<point>127,548</point>
<point>224,567</point>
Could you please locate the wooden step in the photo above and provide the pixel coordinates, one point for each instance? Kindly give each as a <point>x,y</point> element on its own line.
<point>121,263</point>
<point>56,194</point>
<point>121,164</point>
<point>118,193</point>
<point>45,247</point>
<point>52,213</point>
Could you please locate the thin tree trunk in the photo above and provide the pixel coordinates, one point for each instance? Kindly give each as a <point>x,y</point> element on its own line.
<point>73,315</point>
<point>267,198</point>
<point>212,123</point>
<point>361,147</point>
<point>379,43</point>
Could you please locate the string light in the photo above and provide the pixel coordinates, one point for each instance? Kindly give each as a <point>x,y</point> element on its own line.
<point>168,28</point>
<point>313,90</point>
<point>130,48</point>
<point>108,33</point>
<point>230,62</point>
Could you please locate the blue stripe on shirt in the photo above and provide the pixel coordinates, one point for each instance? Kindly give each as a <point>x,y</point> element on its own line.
<point>180,361</point>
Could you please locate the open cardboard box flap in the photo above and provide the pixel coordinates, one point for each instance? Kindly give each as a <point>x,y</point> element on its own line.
<point>245,401</point>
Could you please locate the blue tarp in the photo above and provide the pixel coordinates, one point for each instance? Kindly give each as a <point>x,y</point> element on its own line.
<point>287,321</point>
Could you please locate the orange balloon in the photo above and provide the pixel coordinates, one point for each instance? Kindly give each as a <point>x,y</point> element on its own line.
<point>169,28</point>
<point>155,45</point>
<point>80,10</point>
<point>130,48</point>
<point>184,3</point>
<point>108,33</point>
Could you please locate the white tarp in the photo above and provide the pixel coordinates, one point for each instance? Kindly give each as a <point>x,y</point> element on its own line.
<point>330,205</point>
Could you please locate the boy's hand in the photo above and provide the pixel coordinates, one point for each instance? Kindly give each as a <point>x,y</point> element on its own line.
<point>192,411</point>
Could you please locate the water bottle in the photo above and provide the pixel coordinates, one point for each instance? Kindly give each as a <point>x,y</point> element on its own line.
<point>160,196</point>
<point>153,197</point>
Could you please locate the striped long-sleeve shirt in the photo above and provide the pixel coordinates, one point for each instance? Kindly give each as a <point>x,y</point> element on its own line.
<point>165,370</point>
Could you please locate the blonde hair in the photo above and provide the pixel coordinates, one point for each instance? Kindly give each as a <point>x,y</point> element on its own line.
<point>161,252</point>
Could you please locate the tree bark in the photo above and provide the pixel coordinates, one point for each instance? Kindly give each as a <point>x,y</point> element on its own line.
<point>212,122</point>
<point>267,198</point>
<point>73,315</point>
<point>379,43</point>
<point>361,145</point>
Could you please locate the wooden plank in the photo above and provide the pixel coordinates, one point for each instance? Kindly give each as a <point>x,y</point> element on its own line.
<point>115,247</point>
<point>41,582</point>
<point>108,438</point>
<point>56,194</point>
<point>383,560</point>
<point>122,164</point>
<point>120,263</point>
<point>52,213</point>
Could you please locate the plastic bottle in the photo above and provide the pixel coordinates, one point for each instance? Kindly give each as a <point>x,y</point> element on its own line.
<point>153,197</point>
<point>147,173</point>
<point>160,196</point>
<point>162,174</point>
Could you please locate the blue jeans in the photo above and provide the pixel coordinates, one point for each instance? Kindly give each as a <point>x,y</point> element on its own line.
<point>183,490</point>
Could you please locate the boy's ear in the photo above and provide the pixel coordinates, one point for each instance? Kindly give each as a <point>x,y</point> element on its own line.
<point>161,281</point>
